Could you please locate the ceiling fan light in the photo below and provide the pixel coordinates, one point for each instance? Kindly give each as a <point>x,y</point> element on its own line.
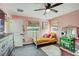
<point>48,10</point>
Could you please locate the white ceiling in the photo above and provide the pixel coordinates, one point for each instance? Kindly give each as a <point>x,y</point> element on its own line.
<point>30,7</point>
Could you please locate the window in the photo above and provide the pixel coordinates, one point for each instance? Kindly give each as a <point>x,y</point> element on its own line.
<point>33,29</point>
<point>72,32</point>
<point>1,25</point>
<point>2,18</point>
<point>54,28</point>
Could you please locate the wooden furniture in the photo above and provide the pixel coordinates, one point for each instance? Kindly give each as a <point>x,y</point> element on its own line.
<point>68,43</point>
<point>6,44</point>
<point>46,39</point>
<point>71,31</point>
<point>65,52</point>
<point>70,38</point>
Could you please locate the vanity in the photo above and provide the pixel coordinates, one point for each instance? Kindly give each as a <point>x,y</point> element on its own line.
<point>6,44</point>
<point>69,42</point>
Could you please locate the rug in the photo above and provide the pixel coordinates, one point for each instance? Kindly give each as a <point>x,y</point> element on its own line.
<point>52,50</point>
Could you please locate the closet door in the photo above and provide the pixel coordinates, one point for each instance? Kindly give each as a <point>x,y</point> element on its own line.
<point>18,40</point>
<point>17,30</point>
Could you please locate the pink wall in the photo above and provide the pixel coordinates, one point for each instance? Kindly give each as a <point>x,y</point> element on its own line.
<point>27,40</point>
<point>67,19</point>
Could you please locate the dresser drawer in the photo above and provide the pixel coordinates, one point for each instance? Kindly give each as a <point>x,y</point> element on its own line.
<point>6,45</point>
<point>0,51</point>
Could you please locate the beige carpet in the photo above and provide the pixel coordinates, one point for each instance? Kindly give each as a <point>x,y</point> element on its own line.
<point>52,50</point>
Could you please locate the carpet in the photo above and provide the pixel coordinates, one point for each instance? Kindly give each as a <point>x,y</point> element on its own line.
<point>28,50</point>
<point>52,50</point>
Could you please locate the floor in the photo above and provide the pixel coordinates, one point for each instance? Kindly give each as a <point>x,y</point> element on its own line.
<point>29,50</point>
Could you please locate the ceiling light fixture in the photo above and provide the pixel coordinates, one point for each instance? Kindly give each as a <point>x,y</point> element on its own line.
<point>48,10</point>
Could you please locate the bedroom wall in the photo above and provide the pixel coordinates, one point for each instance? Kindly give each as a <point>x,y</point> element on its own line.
<point>71,19</point>
<point>28,39</point>
<point>7,15</point>
<point>67,19</point>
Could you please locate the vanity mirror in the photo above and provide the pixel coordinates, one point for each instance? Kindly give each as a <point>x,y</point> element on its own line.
<point>2,18</point>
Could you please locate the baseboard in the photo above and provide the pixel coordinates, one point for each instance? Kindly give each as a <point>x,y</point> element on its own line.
<point>27,44</point>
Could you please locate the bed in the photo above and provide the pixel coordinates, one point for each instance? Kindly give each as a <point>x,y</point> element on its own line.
<point>45,39</point>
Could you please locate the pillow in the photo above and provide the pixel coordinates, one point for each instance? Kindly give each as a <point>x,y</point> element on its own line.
<point>53,36</point>
<point>49,35</point>
<point>45,35</point>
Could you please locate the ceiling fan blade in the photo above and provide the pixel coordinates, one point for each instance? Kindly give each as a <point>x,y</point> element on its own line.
<point>39,9</point>
<point>44,12</point>
<point>47,5</point>
<point>54,10</point>
<point>57,4</point>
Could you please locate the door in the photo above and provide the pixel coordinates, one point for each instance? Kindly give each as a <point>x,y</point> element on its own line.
<point>18,39</point>
<point>17,26</point>
<point>17,30</point>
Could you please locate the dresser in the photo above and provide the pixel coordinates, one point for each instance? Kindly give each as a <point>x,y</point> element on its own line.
<point>68,43</point>
<point>65,52</point>
<point>6,44</point>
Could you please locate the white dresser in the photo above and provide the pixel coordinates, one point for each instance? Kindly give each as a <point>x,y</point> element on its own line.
<point>6,45</point>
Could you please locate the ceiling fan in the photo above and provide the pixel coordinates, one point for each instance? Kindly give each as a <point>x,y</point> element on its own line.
<point>49,7</point>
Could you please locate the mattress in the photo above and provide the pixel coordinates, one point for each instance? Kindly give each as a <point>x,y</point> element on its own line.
<point>43,40</point>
